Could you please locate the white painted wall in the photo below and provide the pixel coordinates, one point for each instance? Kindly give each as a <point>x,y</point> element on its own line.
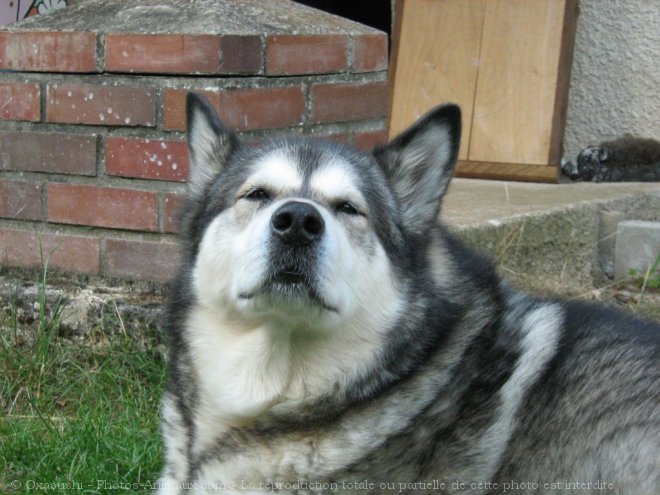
<point>615,80</point>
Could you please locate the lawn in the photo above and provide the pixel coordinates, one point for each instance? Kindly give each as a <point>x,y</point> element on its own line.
<point>79,415</point>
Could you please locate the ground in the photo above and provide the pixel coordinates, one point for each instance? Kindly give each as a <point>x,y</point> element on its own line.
<point>630,297</point>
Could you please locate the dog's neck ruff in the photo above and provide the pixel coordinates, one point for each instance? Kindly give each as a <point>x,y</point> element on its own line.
<point>246,370</point>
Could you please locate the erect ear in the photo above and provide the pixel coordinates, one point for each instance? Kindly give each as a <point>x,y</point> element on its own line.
<point>420,163</point>
<point>603,154</point>
<point>210,143</point>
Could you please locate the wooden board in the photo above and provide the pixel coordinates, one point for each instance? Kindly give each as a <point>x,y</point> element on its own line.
<point>507,171</point>
<point>516,90</point>
<point>435,37</point>
<point>505,62</point>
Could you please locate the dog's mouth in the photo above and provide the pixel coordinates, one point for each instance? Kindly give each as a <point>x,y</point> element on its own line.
<point>289,276</point>
<point>291,285</point>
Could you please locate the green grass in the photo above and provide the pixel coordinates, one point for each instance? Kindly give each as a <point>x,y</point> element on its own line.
<point>650,278</point>
<point>83,412</point>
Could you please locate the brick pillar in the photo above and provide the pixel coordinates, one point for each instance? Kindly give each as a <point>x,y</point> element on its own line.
<point>92,120</point>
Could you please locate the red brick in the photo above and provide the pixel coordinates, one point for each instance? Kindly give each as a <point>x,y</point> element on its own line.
<point>370,53</point>
<point>48,51</point>
<point>369,139</point>
<point>64,252</point>
<point>100,105</point>
<point>162,53</point>
<point>240,54</point>
<point>312,54</point>
<point>338,137</point>
<point>345,102</point>
<point>52,152</point>
<point>262,108</point>
<point>182,53</point>
<point>243,109</point>
<point>20,200</point>
<point>141,260</point>
<point>174,106</point>
<point>102,206</point>
<point>146,158</point>
<point>172,211</point>
<point>19,101</point>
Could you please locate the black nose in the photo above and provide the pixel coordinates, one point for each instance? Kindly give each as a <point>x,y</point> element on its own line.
<point>297,223</point>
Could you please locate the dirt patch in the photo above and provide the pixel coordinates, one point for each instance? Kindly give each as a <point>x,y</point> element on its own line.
<point>78,308</point>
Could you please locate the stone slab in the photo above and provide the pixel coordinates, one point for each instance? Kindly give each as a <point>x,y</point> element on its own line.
<point>477,202</point>
<point>242,17</point>
<point>637,247</point>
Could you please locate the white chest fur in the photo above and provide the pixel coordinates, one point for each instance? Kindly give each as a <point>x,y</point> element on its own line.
<point>241,373</point>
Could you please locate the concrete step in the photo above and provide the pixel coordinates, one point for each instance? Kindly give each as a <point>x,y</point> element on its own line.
<point>537,232</point>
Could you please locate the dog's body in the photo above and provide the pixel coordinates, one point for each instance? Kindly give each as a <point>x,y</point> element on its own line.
<point>626,159</point>
<point>328,335</point>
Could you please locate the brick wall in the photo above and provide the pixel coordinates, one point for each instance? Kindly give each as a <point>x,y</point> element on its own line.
<point>92,146</point>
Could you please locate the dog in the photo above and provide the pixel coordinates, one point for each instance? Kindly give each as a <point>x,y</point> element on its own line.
<point>628,158</point>
<point>329,335</point>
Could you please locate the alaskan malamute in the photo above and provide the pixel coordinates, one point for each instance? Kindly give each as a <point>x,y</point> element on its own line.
<point>329,335</point>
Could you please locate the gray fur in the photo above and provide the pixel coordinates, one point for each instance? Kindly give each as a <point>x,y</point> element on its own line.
<point>462,385</point>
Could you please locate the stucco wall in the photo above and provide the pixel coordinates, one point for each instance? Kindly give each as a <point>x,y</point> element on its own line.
<point>615,81</point>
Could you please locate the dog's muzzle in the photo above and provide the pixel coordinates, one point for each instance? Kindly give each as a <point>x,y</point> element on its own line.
<point>297,228</point>
<point>297,224</point>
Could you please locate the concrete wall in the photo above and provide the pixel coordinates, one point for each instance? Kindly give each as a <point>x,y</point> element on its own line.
<point>615,80</point>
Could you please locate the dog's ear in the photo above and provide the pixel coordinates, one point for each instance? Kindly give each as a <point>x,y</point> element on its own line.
<point>210,143</point>
<point>603,154</point>
<point>420,163</point>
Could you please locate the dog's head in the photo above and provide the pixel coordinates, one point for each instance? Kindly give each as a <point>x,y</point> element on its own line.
<point>306,232</point>
<point>590,162</point>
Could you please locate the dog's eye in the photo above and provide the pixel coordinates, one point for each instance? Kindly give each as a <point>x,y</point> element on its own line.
<point>347,208</point>
<point>257,194</point>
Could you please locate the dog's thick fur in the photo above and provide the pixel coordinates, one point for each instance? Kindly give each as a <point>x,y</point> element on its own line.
<point>328,335</point>
<point>628,158</point>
